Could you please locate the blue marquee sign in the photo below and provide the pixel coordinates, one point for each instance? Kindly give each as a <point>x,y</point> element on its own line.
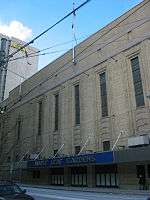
<point>95,158</point>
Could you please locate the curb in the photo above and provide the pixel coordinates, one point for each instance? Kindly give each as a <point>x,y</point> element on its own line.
<point>106,191</point>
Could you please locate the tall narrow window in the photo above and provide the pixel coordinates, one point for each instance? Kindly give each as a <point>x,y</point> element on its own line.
<point>106,146</point>
<point>103,94</point>
<point>55,151</point>
<point>56,111</point>
<point>18,128</point>
<point>77,149</point>
<point>139,97</point>
<point>77,105</point>
<point>40,118</point>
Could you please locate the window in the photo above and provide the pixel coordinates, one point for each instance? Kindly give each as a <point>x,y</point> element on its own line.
<point>56,111</point>
<point>77,105</point>
<point>2,131</point>
<point>57,176</point>
<point>103,94</point>
<point>77,149</point>
<point>36,174</point>
<point>55,151</point>
<point>138,88</point>
<point>106,145</point>
<point>40,118</point>
<point>8,159</point>
<point>79,176</point>
<point>18,128</point>
<point>106,176</point>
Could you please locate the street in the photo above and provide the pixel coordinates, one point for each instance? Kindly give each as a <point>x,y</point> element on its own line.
<point>49,194</point>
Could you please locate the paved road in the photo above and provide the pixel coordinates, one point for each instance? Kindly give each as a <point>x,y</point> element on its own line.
<point>49,194</point>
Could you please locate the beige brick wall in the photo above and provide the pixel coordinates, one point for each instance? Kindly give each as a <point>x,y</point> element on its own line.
<point>126,37</point>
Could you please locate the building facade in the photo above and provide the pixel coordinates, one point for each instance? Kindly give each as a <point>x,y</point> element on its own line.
<point>19,68</point>
<point>85,123</point>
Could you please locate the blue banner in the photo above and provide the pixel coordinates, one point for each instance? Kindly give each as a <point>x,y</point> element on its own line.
<point>95,158</point>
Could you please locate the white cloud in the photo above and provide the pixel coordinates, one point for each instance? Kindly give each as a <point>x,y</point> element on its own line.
<point>16,29</point>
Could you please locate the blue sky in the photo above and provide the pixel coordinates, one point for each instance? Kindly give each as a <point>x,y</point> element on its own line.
<point>37,15</point>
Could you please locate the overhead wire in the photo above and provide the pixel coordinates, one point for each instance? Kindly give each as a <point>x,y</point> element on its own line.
<point>35,54</point>
<point>62,44</point>
<point>70,41</point>
<point>38,36</point>
<point>83,50</point>
<point>24,57</point>
<point>36,86</point>
<point>51,47</point>
<point>61,67</point>
<point>48,53</point>
<point>7,69</point>
<point>6,59</point>
<point>10,108</point>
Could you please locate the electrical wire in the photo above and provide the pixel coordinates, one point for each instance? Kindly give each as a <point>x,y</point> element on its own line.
<point>59,21</point>
<point>51,47</point>
<point>41,94</point>
<point>14,103</point>
<point>34,55</point>
<point>80,52</point>
<point>14,72</point>
<point>48,53</point>
<point>61,67</point>
<point>24,57</point>
<point>70,41</point>
<point>10,108</point>
<point>62,50</point>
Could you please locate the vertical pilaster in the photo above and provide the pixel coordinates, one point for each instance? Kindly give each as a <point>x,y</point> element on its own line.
<point>91,176</point>
<point>67,176</point>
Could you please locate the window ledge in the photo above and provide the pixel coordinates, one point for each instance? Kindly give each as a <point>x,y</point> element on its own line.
<point>77,127</point>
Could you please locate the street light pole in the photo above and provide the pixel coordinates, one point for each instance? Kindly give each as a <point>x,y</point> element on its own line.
<point>4,51</point>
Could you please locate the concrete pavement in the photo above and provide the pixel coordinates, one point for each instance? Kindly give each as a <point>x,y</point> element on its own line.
<point>51,194</point>
<point>87,189</point>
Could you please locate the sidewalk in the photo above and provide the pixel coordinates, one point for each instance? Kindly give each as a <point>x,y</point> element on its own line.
<point>86,189</point>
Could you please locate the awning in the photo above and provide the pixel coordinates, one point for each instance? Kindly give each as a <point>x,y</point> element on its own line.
<point>94,158</point>
<point>132,155</point>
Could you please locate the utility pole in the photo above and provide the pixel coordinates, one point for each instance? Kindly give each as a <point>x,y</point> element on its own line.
<point>48,29</point>
<point>74,36</point>
<point>4,52</point>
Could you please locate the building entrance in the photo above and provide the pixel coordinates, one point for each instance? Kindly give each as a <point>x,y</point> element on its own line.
<point>106,176</point>
<point>57,176</point>
<point>79,176</point>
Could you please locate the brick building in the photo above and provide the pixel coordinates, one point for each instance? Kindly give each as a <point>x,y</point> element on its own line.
<point>24,67</point>
<point>85,123</point>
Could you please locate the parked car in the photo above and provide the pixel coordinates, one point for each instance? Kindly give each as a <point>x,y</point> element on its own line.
<point>11,191</point>
<point>1,198</point>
